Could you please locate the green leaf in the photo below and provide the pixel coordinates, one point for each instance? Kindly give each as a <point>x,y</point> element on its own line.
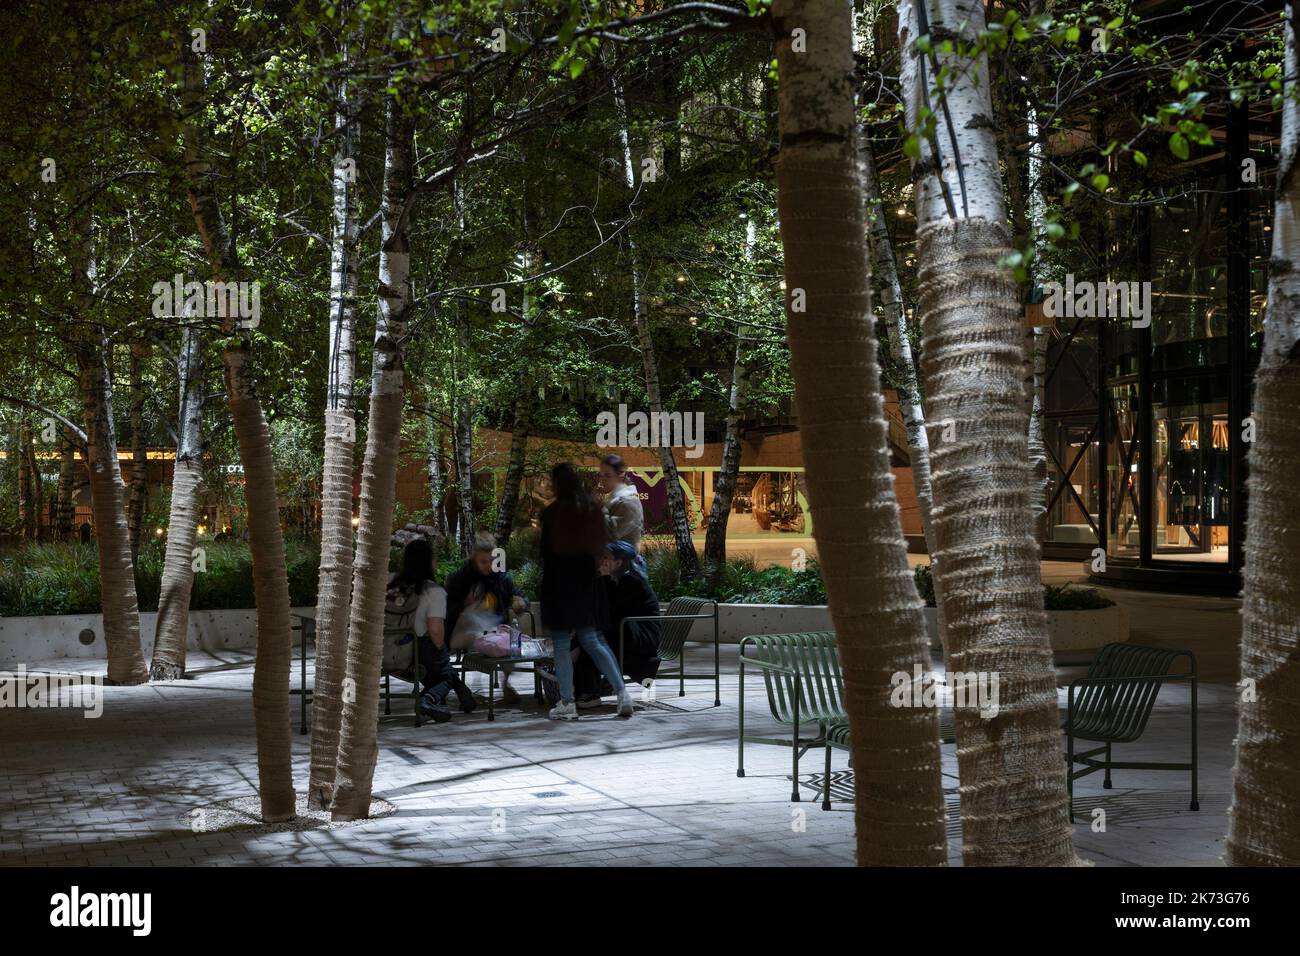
<point>1178,146</point>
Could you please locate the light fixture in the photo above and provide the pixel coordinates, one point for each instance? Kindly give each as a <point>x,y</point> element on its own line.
<point>902,211</point>
<point>159,532</point>
<point>356,521</point>
<point>680,278</point>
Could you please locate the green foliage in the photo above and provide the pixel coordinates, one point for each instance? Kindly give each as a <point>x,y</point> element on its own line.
<point>1056,597</point>
<point>40,579</point>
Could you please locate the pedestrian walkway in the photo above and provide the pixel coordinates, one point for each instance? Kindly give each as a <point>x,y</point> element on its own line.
<point>658,790</point>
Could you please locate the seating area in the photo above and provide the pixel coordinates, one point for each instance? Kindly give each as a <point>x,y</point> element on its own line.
<point>1111,705</point>
<point>678,619</point>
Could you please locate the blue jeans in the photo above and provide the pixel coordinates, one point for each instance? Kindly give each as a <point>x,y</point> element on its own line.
<point>593,642</point>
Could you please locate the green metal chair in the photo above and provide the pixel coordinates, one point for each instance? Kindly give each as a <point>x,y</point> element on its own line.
<point>675,626</point>
<point>400,657</point>
<point>1113,706</point>
<point>801,673</point>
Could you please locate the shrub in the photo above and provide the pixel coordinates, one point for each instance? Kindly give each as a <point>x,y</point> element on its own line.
<point>39,579</point>
<point>1061,597</point>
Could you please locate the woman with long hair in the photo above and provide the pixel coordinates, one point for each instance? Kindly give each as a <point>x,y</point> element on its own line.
<point>573,538</point>
<point>428,624</point>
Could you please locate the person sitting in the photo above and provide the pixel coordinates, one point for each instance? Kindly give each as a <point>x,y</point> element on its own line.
<point>429,626</point>
<point>479,598</point>
<point>627,594</point>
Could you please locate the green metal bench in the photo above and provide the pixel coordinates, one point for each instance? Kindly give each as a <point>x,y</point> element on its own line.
<point>1113,706</point>
<point>801,673</point>
<point>675,626</point>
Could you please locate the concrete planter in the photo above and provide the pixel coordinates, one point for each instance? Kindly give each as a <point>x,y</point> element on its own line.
<point>735,621</point>
<point>60,637</point>
<point>1068,630</point>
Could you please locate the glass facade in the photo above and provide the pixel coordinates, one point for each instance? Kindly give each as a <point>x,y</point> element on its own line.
<point>1144,421</point>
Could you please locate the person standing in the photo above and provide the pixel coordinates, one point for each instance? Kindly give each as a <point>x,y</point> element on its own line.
<point>572,540</point>
<point>624,516</point>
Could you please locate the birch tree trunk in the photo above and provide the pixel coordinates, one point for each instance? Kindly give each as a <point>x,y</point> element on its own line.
<point>1013,793</point>
<point>357,739</point>
<point>334,587</point>
<point>67,509</point>
<point>688,561</point>
<point>265,539</point>
<point>724,488</point>
<point>463,436</point>
<point>178,562</point>
<point>139,492</point>
<point>1264,827</point>
<point>107,495</point>
<point>514,472</point>
<point>910,406</point>
<point>879,625</point>
<point>437,479</point>
<point>29,509</point>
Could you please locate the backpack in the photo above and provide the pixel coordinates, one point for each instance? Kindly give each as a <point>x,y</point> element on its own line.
<point>399,634</point>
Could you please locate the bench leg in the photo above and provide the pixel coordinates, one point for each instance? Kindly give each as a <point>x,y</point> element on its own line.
<point>1106,783</point>
<point>388,705</point>
<point>492,691</point>
<point>415,701</point>
<point>794,777</point>
<point>1195,804</point>
<point>740,726</point>
<point>826,781</point>
<point>1069,772</point>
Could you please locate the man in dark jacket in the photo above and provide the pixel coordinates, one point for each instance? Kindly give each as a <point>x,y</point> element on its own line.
<point>627,594</point>
<point>479,598</point>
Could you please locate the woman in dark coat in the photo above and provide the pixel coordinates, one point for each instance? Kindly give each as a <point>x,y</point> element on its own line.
<point>573,537</point>
<point>627,594</point>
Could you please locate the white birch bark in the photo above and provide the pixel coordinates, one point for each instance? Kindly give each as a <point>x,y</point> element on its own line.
<point>1264,824</point>
<point>357,738</point>
<point>265,538</point>
<point>107,494</point>
<point>178,561</point>
<point>334,584</point>
<point>687,559</point>
<point>878,621</point>
<point>1013,789</point>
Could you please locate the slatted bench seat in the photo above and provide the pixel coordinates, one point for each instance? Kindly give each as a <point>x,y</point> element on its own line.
<point>1113,704</point>
<point>675,626</point>
<point>801,673</point>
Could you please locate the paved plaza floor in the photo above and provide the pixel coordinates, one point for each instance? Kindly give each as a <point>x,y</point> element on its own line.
<point>658,790</point>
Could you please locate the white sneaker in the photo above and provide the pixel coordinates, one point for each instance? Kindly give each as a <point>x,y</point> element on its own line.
<point>563,711</point>
<point>625,708</point>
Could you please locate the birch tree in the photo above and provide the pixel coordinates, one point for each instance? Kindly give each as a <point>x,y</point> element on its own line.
<point>121,607</point>
<point>357,738</point>
<point>1264,828</point>
<point>265,538</point>
<point>334,587</point>
<point>1013,789</point>
<point>688,561</point>
<point>879,624</point>
<point>173,620</point>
